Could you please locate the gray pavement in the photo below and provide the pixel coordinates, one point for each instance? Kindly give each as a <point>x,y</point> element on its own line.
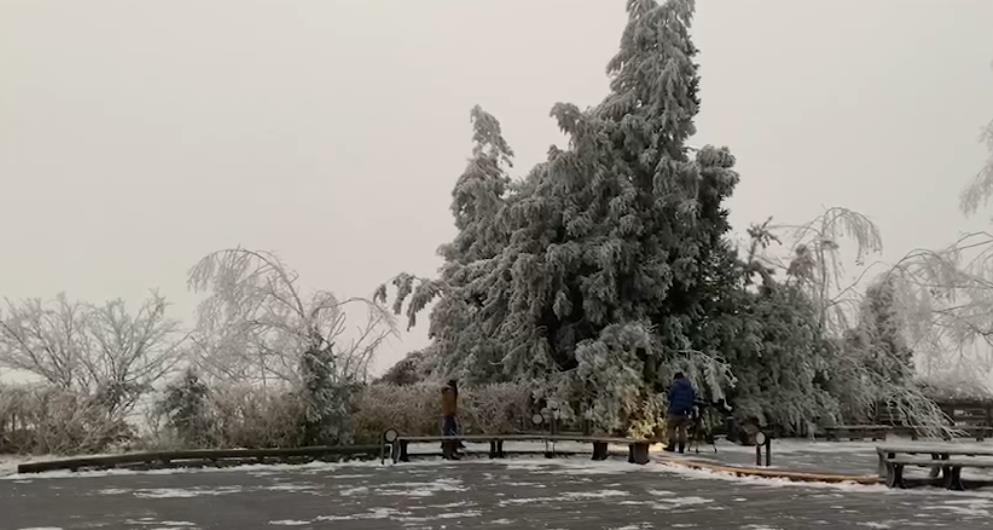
<point>516,493</point>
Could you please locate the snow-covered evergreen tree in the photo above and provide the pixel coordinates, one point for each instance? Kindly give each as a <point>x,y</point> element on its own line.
<point>609,253</point>
<point>879,333</point>
<point>185,406</point>
<point>326,397</point>
<point>607,268</point>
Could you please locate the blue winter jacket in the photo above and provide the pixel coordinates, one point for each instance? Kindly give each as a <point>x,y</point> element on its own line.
<point>681,397</point>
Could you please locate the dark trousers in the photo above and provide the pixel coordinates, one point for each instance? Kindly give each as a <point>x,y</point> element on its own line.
<point>677,424</point>
<point>449,426</point>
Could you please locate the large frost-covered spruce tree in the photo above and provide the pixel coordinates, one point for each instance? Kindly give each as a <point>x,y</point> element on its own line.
<point>596,275</point>
<point>608,268</point>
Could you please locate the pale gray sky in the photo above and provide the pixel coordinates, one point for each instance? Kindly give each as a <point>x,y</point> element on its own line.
<point>137,136</point>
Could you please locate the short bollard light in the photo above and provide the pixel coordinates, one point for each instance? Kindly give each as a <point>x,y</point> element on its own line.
<point>761,439</point>
<point>389,439</point>
<point>391,436</point>
<point>537,419</point>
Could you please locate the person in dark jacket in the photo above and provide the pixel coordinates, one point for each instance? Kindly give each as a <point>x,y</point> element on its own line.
<point>682,398</point>
<point>449,410</point>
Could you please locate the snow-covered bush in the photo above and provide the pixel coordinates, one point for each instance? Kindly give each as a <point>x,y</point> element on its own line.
<point>410,409</point>
<point>495,408</point>
<point>252,416</point>
<point>42,419</point>
<point>416,409</point>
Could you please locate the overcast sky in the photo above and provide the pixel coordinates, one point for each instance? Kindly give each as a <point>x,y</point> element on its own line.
<point>137,136</point>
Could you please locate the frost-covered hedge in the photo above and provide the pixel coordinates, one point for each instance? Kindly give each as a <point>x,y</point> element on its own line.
<point>244,416</point>
<point>251,416</point>
<point>46,420</point>
<point>416,409</point>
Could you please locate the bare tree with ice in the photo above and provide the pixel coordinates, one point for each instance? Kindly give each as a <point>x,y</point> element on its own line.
<point>258,325</point>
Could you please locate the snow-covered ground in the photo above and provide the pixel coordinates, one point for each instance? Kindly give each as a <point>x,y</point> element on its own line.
<point>522,492</point>
<point>519,492</point>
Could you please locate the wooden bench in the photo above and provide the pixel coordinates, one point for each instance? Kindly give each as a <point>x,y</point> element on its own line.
<point>637,448</point>
<point>941,459</point>
<point>857,432</point>
<point>950,469</point>
<point>979,432</point>
<point>450,443</point>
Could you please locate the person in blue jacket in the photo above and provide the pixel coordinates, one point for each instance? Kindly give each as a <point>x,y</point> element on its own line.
<point>682,398</point>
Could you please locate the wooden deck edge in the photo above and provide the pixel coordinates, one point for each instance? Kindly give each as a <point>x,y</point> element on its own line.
<point>795,476</point>
<point>197,458</point>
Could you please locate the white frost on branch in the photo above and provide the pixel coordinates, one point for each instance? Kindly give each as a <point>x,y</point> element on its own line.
<point>256,323</point>
<point>979,192</point>
<point>817,257</point>
<point>103,351</point>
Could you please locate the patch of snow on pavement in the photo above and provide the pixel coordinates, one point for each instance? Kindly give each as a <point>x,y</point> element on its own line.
<point>594,494</point>
<point>527,500</point>
<point>525,485</point>
<point>968,507</point>
<point>661,493</point>
<point>178,493</point>
<point>454,515</point>
<point>360,490</point>
<point>150,521</point>
<point>681,502</point>
<point>292,487</point>
<point>421,489</point>
<point>375,513</point>
<point>449,505</point>
<point>288,522</point>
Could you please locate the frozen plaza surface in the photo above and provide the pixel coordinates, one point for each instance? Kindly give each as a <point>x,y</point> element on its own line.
<point>516,493</point>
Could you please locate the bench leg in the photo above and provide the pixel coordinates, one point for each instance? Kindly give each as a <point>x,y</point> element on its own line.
<point>938,471</point>
<point>953,478</point>
<point>639,453</point>
<point>404,457</point>
<point>894,475</point>
<point>599,450</point>
<point>493,449</point>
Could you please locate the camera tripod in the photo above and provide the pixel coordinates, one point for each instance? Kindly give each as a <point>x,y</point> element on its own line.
<point>698,432</point>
